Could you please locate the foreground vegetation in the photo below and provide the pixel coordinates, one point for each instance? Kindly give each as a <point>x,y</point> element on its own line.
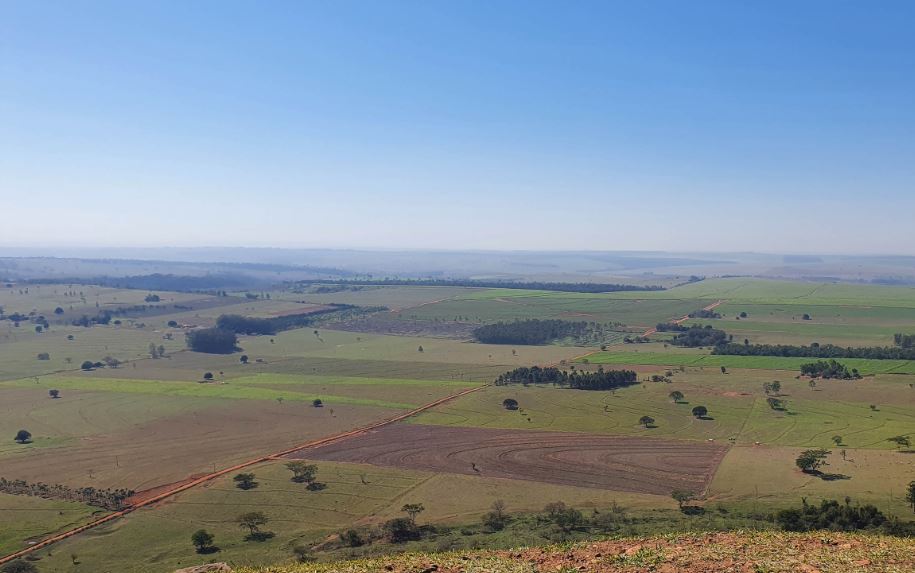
<point>689,553</point>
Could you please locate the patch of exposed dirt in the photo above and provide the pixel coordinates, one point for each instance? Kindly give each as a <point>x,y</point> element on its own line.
<point>642,465</point>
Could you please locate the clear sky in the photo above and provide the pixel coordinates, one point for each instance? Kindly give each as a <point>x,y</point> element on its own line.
<point>734,125</point>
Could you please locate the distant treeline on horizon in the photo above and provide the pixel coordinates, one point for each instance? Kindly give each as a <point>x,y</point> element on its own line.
<point>509,284</point>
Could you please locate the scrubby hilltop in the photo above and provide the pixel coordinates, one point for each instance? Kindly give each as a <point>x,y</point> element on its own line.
<point>693,553</point>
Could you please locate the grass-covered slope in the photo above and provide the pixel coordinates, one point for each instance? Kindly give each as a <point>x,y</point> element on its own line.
<point>693,553</point>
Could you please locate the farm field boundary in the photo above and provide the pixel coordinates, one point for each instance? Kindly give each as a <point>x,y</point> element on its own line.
<point>183,486</point>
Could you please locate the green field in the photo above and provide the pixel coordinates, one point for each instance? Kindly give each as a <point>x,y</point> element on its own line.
<point>151,422</point>
<point>658,356</point>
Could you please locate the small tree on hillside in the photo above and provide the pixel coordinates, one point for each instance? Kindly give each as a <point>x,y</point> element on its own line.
<point>252,521</point>
<point>510,404</point>
<point>87,365</point>
<point>837,440</point>
<point>910,494</point>
<point>646,421</point>
<point>23,436</point>
<point>302,472</point>
<point>681,496</point>
<point>700,412</point>
<point>412,510</point>
<point>243,359</point>
<point>676,396</point>
<point>245,481</point>
<point>207,375</point>
<point>203,541</point>
<point>54,393</point>
<point>900,441</point>
<point>317,403</point>
<point>810,461</point>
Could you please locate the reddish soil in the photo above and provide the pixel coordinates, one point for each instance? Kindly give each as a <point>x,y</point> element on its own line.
<point>641,465</point>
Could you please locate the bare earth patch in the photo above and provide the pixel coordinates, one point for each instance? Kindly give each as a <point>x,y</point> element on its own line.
<point>634,464</point>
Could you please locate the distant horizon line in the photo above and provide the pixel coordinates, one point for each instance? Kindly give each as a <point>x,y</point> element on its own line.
<point>445,250</point>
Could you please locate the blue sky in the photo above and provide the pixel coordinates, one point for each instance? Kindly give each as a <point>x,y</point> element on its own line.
<point>764,126</point>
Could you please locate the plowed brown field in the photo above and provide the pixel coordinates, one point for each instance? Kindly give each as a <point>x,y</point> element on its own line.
<point>642,465</point>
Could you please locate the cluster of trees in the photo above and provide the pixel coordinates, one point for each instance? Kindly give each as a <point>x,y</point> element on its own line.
<point>535,331</point>
<point>103,317</point>
<point>817,351</point>
<point>702,313</point>
<point>671,327</point>
<point>696,336</point>
<point>531,285</point>
<point>111,499</point>
<point>832,515</point>
<point>212,340</point>
<point>829,369</point>
<point>904,340</point>
<point>600,380</point>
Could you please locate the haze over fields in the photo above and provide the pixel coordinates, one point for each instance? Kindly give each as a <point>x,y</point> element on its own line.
<point>407,286</point>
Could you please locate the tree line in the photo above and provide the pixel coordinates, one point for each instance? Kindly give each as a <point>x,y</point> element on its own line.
<point>536,331</point>
<point>600,380</point>
<point>529,285</point>
<point>111,499</point>
<point>816,351</point>
<point>829,369</point>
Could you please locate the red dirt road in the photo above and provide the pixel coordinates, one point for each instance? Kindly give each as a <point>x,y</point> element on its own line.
<point>633,464</point>
<point>147,500</point>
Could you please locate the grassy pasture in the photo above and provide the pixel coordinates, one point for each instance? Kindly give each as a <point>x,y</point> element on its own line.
<point>23,519</point>
<point>636,313</point>
<point>349,345</point>
<point>395,298</point>
<point>156,540</point>
<point>659,356</point>
<point>871,476</point>
<point>735,402</point>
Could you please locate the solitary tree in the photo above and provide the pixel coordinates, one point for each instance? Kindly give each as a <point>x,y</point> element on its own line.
<point>510,404</point>
<point>302,472</point>
<point>676,396</point>
<point>900,441</point>
<point>54,393</point>
<point>317,403</point>
<point>243,359</point>
<point>724,370</point>
<point>58,310</point>
<point>87,365</point>
<point>910,494</point>
<point>420,349</point>
<point>700,411</point>
<point>207,375</point>
<point>681,496</point>
<point>837,440</point>
<point>646,421</point>
<point>252,521</point>
<point>23,436</point>
<point>412,510</point>
<point>810,461</point>
<point>202,540</point>
<point>245,481</point>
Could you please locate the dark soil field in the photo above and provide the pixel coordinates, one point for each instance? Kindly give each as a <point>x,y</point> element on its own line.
<point>630,464</point>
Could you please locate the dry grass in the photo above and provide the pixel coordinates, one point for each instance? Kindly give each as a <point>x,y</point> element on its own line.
<point>768,552</point>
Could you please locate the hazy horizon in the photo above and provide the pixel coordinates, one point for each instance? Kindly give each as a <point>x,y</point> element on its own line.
<point>710,127</point>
